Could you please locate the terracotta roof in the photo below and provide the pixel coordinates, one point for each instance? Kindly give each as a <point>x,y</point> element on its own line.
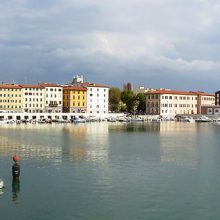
<point>31,86</point>
<point>87,84</point>
<point>49,85</point>
<point>174,92</point>
<point>203,93</point>
<point>10,86</point>
<point>74,88</point>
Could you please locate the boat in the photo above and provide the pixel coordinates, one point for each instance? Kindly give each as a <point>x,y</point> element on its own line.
<point>78,120</point>
<point>111,119</point>
<point>1,184</point>
<point>136,119</point>
<point>187,119</point>
<point>216,120</point>
<point>203,119</point>
<point>124,119</point>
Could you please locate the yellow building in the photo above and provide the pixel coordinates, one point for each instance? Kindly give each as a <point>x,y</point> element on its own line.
<point>11,98</point>
<point>74,99</point>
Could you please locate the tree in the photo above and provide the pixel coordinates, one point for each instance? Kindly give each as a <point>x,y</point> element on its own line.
<point>114,99</point>
<point>142,102</point>
<point>129,99</point>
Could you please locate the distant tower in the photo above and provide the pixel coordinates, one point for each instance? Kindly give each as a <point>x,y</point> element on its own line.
<point>78,79</point>
<point>128,86</point>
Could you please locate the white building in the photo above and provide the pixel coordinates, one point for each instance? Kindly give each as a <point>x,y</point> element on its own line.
<point>77,79</point>
<point>53,100</point>
<point>33,98</point>
<point>97,98</point>
<point>170,103</point>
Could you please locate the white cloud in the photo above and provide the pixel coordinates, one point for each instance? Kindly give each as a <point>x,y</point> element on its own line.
<point>180,36</point>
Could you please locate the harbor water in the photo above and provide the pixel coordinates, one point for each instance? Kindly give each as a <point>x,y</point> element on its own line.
<point>111,171</point>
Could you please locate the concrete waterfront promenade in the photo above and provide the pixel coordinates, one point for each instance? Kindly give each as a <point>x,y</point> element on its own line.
<point>53,116</point>
<point>66,116</point>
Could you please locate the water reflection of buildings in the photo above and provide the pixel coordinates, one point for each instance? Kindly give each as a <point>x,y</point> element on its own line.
<point>87,142</point>
<point>178,143</point>
<point>9,148</point>
<point>134,127</point>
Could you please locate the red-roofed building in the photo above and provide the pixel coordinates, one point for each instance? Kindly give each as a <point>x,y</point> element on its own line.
<point>169,103</point>
<point>97,98</point>
<point>33,98</point>
<point>53,97</point>
<point>75,99</point>
<point>11,98</point>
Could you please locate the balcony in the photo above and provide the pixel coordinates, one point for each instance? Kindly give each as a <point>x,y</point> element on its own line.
<point>53,105</point>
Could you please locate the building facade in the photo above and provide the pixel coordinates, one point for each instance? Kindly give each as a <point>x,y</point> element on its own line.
<point>170,103</point>
<point>11,99</point>
<point>74,99</point>
<point>217,98</point>
<point>53,99</point>
<point>211,110</point>
<point>97,98</point>
<point>33,98</point>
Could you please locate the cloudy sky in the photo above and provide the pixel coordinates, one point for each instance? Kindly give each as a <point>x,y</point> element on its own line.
<point>155,43</point>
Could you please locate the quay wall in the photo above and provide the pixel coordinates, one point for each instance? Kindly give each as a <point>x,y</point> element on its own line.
<point>66,116</point>
<point>22,116</point>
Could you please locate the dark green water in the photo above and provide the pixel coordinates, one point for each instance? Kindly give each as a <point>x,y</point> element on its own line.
<point>111,171</point>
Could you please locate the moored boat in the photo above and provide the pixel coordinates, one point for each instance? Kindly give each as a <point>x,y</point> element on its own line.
<point>203,119</point>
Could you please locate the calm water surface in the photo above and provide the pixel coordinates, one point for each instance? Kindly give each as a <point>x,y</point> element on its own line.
<point>111,171</point>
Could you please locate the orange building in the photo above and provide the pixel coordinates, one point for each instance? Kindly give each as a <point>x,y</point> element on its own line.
<point>74,99</point>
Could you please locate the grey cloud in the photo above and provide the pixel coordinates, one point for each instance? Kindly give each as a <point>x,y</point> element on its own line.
<point>164,43</point>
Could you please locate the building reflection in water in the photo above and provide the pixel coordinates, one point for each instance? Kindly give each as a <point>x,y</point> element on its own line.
<point>87,141</point>
<point>178,143</point>
<point>9,148</point>
<point>134,127</point>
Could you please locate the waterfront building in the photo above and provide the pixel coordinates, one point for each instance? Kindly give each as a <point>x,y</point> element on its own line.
<point>33,98</point>
<point>166,102</point>
<point>211,110</point>
<point>53,100</point>
<point>217,98</point>
<point>142,89</point>
<point>97,98</point>
<point>74,99</point>
<point>11,99</point>
<point>204,99</point>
